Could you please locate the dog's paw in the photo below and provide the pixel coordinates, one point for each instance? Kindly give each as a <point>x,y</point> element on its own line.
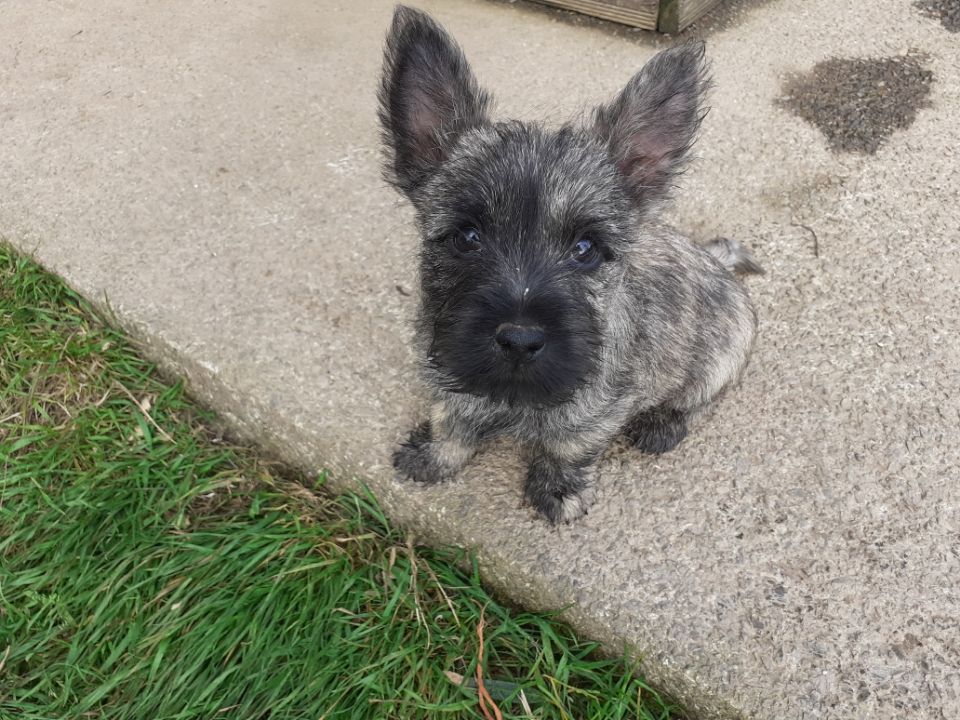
<point>413,463</point>
<point>657,431</point>
<point>561,507</point>
<point>414,460</point>
<point>561,499</point>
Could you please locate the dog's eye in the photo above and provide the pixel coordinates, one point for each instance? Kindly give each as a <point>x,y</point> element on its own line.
<point>466,241</point>
<point>585,253</point>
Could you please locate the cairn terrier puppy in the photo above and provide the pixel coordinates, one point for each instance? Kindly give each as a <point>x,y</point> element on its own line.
<point>554,309</point>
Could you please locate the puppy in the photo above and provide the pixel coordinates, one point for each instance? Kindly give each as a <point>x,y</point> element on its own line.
<point>554,308</point>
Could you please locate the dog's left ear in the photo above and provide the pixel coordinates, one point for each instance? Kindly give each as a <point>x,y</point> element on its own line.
<point>652,123</point>
<point>428,98</point>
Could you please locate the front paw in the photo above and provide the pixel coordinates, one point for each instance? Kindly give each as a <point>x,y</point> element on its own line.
<point>560,494</point>
<point>415,460</point>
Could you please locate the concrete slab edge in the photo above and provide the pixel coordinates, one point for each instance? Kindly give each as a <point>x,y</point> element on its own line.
<point>252,422</point>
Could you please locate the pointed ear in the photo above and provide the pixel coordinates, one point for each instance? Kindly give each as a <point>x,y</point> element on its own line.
<point>651,125</point>
<point>428,98</point>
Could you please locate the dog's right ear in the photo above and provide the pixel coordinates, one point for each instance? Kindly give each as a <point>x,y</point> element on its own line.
<point>428,98</point>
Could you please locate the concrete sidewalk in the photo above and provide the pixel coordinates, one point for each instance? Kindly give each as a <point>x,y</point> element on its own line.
<point>210,171</point>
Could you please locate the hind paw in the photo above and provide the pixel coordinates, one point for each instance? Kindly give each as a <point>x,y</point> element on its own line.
<point>658,430</point>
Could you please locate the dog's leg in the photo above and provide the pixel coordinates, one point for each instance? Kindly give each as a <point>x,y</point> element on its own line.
<point>558,487</point>
<point>658,429</point>
<point>437,449</point>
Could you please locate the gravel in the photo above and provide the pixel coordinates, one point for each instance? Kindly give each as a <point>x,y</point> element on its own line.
<point>859,102</point>
<point>946,11</point>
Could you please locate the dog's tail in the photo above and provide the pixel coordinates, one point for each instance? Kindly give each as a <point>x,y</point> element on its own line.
<point>733,256</point>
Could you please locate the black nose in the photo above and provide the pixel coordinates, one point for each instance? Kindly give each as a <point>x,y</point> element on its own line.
<point>520,342</point>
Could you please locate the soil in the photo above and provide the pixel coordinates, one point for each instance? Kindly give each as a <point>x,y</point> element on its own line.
<point>858,103</point>
<point>946,11</point>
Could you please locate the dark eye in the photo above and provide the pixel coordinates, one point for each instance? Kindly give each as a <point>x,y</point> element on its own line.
<point>585,253</point>
<point>466,241</point>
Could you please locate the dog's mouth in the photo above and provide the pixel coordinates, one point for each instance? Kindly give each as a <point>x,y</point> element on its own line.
<point>547,377</point>
<point>537,352</point>
<point>516,388</point>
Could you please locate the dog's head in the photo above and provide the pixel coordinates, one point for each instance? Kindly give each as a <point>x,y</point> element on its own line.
<point>525,230</point>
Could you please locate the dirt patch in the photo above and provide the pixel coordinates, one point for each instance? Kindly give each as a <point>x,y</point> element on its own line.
<point>946,11</point>
<point>859,102</point>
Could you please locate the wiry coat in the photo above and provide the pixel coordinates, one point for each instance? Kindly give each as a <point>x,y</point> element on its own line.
<point>554,308</point>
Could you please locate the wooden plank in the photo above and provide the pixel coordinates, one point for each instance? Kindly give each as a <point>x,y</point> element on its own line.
<point>638,13</point>
<point>675,15</point>
<point>669,20</point>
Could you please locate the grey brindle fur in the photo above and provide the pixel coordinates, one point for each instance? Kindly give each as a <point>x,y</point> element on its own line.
<point>554,308</point>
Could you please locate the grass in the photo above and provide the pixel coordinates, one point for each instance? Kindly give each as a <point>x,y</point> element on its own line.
<point>150,569</point>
